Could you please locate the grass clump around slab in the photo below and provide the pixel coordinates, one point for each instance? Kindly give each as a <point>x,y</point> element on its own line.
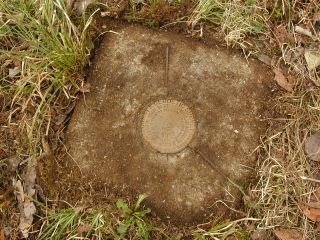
<point>236,19</point>
<point>43,50</point>
<point>42,55</point>
<point>75,223</point>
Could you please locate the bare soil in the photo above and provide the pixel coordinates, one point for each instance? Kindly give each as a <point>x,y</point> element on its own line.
<point>226,94</point>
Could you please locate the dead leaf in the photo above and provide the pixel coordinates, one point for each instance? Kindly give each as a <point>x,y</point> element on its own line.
<point>24,196</point>
<point>301,30</point>
<point>282,35</point>
<point>312,147</point>
<point>1,234</point>
<point>7,231</point>
<point>6,193</point>
<point>7,202</point>
<point>29,209</point>
<point>258,235</point>
<point>26,218</point>
<point>14,71</point>
<point>292,79</point>
<point>26,208</point>
<point>288,234</point>
<point>83,228</point>
<point>19,190</point>
<point>30,177</point>
<point>265,59</point>
<point>292,55</point>
<point>24,226</point>
<point>312,58</point>
<point>45,146</point>
<point>60,119</point>
<point>85,88</point>
<point>81,6</point>
<point>282,81</point>
<point>17,63</point>
<point>69,5</point>
<point>311,210</point>
<point>21,47</point>
<point>13,162</point>
<point>316,19</point>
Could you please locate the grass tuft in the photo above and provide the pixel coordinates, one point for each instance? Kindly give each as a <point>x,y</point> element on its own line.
<point>45,53</point>
<point>79,223</point>
<point>74,223</point>
<point>235,18</point>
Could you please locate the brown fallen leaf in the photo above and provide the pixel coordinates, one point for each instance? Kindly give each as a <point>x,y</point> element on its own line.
<point>26,218</point>
<point>13,72</point>
<point>288,234</point>
<point>312,147</point>
<point>13,162</point>
<point>6,199</point>
<point>17,63</point>
<point>265,59</point>
<point>69,5</point>
<point>45,147</point>
<point>316,21</point>
<point>282,35</point>
<point>85,88</point>
<point>6,193</point>
<point>26,207</point>
<point>311,210</point>
<point>282,80</point>
<point>81,6</point>
<point>304,31</point>
<point>1,234</point>
<point>258,235</point>
<point>7,202</point>
<point>312,58</point>
<point>24,194</point>
<point>83,228</point>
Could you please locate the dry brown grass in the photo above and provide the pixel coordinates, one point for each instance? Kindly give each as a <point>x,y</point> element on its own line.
<point>283,162</point>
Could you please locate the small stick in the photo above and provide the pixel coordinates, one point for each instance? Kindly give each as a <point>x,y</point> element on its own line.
<point>310,179</point>
<point>215,168</point>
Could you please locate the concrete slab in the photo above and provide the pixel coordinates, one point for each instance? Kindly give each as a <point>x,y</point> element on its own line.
<point>222,93</point>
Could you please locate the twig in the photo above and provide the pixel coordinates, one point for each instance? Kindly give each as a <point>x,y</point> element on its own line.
<point>310,179</point>
<point>215,168</point>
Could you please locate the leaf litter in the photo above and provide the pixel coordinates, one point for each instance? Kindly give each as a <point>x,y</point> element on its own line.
<point>282,35</point>
<point>24,195</point>
<point>288,234</point>
<point>2,234</point>
<point>25,191</point>
<point>312,59</point>
<point>311,210</point>
<point>282,80</point>
<point>303,31</point>
<point>312,147</point>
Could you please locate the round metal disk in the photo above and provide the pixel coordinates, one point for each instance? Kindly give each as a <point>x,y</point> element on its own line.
<point>168,126</point>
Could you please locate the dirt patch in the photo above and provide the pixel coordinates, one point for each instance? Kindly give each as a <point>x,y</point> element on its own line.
<point>133,69</point>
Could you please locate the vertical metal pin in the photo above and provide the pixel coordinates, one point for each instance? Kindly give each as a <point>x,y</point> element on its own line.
<point>167,68</point>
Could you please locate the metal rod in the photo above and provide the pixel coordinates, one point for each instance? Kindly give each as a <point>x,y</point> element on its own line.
<point>167,68</point>
<point>216,169</point>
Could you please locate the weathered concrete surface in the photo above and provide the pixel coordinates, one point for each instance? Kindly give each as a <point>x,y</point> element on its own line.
<point>225,93</point>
